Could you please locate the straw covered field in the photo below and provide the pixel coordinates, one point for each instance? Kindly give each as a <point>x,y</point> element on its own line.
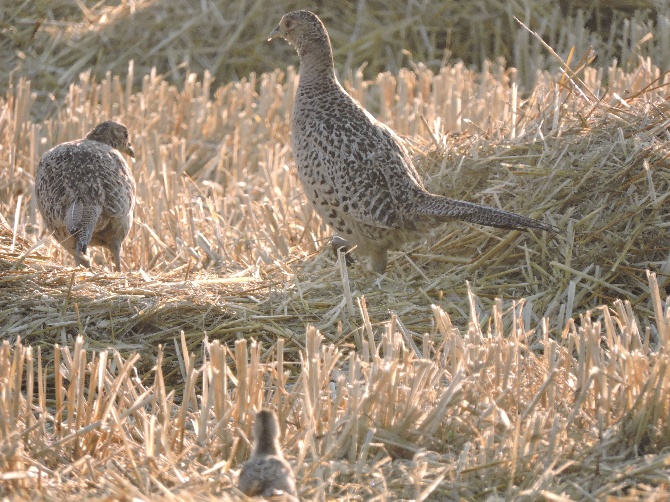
<point>483,365</point>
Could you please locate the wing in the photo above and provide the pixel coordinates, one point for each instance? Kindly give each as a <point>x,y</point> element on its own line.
<point>119,185</point>
<point>265,475</point>
<point>356,163</point>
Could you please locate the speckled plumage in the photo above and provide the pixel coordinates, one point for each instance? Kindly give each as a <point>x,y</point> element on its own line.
<point>267,473</point>
<point>86,192</point>
<point>354,170</point>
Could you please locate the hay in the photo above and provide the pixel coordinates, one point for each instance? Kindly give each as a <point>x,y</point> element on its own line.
<point>457,395</point>
<point>217,193</point>
<point>435,382</point>
<point>51,42</point>
<point>468,414</point>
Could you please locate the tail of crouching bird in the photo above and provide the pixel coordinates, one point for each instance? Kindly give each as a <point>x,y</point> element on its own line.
<point>444,208</point>
<point>80,221</point>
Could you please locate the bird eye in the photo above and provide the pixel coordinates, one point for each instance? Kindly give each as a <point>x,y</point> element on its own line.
<point>288,24</point>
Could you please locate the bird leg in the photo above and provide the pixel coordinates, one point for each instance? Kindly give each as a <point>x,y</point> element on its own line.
<point>344,246</point>
<point>379,260</point>
<point>115,247</point>
<point>80,257</point>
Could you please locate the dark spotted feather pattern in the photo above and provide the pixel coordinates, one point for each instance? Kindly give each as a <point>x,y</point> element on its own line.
<point>267,473</point>
<point>354,170</point>
<point>86,192</point>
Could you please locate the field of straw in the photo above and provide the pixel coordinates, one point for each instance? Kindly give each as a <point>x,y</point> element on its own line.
<point>483,365</point>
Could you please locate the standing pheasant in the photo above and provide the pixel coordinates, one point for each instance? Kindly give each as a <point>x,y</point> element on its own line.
<point>267,473</point>
<point>354,170</point>
<point>86,192</point>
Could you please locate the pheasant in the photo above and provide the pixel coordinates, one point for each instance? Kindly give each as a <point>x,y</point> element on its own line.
<point>354,169</point>
<point>86,192</point>
<point>267,473</point>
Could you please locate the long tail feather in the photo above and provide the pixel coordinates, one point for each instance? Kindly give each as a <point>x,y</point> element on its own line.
<point>81,220</point>
<point>445,208</point>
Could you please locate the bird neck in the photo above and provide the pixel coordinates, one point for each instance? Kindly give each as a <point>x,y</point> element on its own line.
<point>316,62</point>
<point>267,446</point>
<point>99,136</point>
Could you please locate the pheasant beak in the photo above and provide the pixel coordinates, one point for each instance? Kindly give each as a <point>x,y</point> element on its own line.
<point>129,150</point>
<point>276,33</point>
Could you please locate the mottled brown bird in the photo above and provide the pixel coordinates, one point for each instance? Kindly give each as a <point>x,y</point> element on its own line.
<point>354,170</point>
<point>267,473</point>
<point>86,192</point>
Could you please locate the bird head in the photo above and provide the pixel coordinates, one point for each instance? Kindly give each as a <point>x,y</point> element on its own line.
<point>113,134</point>
<point>300,28</point>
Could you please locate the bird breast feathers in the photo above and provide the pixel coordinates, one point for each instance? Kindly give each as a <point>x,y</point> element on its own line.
<point>366,187</point>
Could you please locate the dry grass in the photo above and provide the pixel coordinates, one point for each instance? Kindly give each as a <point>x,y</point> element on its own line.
<point>436,382</point>
<point>458,395</point>
<point>471,414</point>
<point>52,41</point>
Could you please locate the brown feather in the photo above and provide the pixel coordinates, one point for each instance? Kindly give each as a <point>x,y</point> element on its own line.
<point>354,170</point>
<point>86,192</point>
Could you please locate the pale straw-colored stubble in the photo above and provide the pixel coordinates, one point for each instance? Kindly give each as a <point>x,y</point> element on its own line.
<point>489,410</point>
<point>52,41</point>
<point>215,181</point>
<point>241,203</point>
<point>174,216</point>
<point>479,408</point>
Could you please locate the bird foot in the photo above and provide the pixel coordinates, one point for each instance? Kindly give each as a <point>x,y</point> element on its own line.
<point>344,246</point>
<point>82,260</point>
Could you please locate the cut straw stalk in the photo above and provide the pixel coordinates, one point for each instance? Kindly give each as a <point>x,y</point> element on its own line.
<point>249,243</point>
<point>399,398</point>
